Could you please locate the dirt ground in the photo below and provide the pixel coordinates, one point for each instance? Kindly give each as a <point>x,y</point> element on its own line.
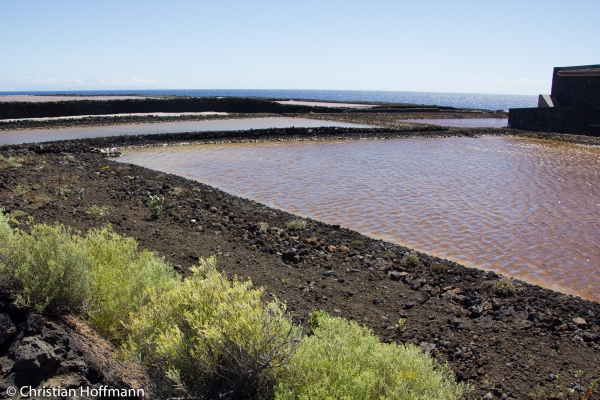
<point>534,344</point>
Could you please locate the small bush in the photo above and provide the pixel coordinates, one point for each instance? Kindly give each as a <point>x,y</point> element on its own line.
<point>50,264</point>
<point>342,360</point>
<point>438,268</point>
<point>22,188</point>
<point>101,273</point>
<point>178,191</point>
<point>12,162</point>
<point>65,191</point>
<point>96,212</point>
<point>388,255</point>
<point>411,260</point>
<point>6,232</point>
<point>210,336</point>
<point>14,217</point>
<point>296,225</point>
<point>504,288</point>
<point>121,277</point>
<point>314,318</point>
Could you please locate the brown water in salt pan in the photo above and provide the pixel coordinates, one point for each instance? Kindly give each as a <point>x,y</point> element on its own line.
<point>46,135</point>
<point>462,122</point>
<point>521,207</point>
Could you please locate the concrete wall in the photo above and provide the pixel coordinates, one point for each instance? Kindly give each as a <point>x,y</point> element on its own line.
<point>573,120</point>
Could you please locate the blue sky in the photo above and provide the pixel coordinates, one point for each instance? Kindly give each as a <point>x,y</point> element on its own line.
<point>483,46</point>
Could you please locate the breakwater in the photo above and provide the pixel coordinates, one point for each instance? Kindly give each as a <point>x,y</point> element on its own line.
<point>13,110</point>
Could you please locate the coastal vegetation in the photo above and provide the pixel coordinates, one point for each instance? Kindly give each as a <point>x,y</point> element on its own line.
<point>296,225</point>
<point>208,334</point>
<point>97,212</point>
<point>504,288</point>
<point>342,360</point>
<point>12,162</point>
<point>411,260</point>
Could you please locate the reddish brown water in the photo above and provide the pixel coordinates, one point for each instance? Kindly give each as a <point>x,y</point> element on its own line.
<point>521,207</point>
<point>46,135</point>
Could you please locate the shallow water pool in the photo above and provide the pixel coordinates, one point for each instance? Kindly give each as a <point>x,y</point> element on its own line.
<point>526,208</point>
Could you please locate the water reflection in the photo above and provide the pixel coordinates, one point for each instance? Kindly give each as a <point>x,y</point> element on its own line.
<point>45,135</point>
<point>463,122</point>
<point>522,207</point>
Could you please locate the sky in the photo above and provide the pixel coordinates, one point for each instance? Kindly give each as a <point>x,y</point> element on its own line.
<point>482,46</point>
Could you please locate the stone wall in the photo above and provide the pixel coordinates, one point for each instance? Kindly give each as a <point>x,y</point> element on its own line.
<point>576,91</point>
<point>11,110</point>
<point>572,120</point>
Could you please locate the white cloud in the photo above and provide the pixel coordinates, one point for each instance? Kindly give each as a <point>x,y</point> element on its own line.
<point>53,81</point>
<point>469,78</point>
<point>499,80</point>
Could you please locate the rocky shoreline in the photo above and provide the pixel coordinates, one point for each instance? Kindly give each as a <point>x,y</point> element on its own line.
<point>505,347</point>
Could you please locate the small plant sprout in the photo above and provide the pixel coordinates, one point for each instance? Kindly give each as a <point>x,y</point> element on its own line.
<point>156,205</point>
<point>81,196</point>
<point>65,191</point>
<point>285,281</point>
<point>400,324</point>
<point>504,288</point>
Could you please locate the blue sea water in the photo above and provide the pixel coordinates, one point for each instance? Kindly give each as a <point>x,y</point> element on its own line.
<point>460,100</point>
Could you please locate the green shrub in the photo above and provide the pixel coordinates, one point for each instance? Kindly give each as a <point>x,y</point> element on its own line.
<point>120,278</point>
<point>65,191</point>
<point>209,336</point>
<point>96,212</point>
<point>342,360</point>
<point>12,162</point>
<point>51,267</point>
<point>296,225</point>
<point>6,232</point>
<point>101,273</point>
<point>314,318</point>
<point>438,268</point>
<point>388,255</point>
<point>411,260</point>
<point>504,288</point>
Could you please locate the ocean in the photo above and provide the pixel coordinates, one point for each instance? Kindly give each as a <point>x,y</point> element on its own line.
<point>460,100</point>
